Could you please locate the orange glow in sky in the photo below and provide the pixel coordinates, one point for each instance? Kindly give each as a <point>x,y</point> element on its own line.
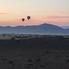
<point>41,11</point>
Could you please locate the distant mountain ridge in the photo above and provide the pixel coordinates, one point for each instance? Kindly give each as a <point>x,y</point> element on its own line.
<point>65,27</point>
<point>35,29</point>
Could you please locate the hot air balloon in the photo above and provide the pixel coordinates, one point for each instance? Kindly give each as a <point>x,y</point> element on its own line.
<point>28,17</point>
<point>23,19</point>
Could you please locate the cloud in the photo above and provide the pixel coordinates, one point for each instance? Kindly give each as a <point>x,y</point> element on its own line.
<point>58,17</point>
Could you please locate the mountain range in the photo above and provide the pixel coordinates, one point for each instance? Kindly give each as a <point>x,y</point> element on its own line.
<point>45,28</point>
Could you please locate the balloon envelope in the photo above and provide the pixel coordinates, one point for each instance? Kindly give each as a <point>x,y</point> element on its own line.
<point>23,19</point>
<point>28,17</point>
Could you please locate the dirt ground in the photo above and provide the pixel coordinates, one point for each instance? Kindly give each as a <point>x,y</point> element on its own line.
<point>30,58</point>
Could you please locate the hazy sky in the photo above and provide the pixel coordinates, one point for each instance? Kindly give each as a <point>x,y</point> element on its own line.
<point>51,11</point>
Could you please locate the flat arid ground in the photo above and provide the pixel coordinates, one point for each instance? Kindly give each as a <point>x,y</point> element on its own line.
<point>48,53</point>
<point>34,59</point>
